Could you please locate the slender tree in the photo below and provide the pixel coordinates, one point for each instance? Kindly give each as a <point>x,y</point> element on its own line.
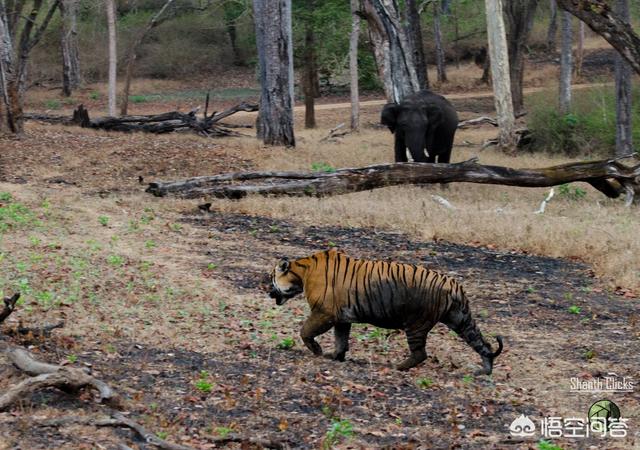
<point>553,26</point>
<point>499,60</point>
<point>20,30</point>
<point>71,76</point>
<point>132,54</point>
<point>566,64</point>
<point>310,70</point>
<point>275,57</point>
<point>579,49</point>
<point>519,15</point>
<point>624,143</point>
<point>414,31</point>
<point>111,26</point>
<point>353,65</point>
<point>437,34</point>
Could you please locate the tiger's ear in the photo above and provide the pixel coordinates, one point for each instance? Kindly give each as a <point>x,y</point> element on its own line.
<point>283,265</point>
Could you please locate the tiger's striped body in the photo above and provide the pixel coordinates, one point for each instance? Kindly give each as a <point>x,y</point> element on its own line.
<point>343,290</point>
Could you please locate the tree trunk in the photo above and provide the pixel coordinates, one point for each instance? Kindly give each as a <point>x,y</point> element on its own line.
<point>71,77</point>
<point>499,60</point>
<point>275,56</point>
<point>579,49</point>
<point>133,54</point>
<point>598,15</point>
<point>10,116</point>
<point>624,143</point>
<point>553,26</point>
<point>565,62</point>
<point>414,32</point>
<point>610,177</point>
<point>308,77</point>
<point>392,49</point>
<point>440,62</point>
<point>519,15</point>
<point>353,65</point>
<point>111,25</point>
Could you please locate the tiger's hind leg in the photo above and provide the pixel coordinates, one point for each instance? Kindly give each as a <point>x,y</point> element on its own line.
<point>417,340</point>
<point>460,321</point>
<point>341,332</point>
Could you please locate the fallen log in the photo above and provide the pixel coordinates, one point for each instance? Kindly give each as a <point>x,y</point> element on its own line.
<point>169,122</point>
<point>610,177</point>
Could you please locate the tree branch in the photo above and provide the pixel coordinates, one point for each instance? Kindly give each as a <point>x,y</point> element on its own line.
<point>607,176</point>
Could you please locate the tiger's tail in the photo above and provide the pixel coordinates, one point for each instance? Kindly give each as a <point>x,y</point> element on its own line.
<point>459,320</point>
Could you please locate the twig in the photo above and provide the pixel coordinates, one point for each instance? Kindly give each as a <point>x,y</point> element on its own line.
<point>543,205</point>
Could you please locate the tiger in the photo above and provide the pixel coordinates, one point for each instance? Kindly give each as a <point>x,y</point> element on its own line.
<point>342,290</point>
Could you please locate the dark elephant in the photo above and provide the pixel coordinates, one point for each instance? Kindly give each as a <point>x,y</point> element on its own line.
<point>422,120</point>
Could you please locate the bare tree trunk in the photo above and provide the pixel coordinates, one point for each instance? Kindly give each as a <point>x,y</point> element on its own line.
<point>275,55</point>
<point>519,15</point>
<point>414,31</point>
<point>309,75</point>
<point>392,49</point>
<point>111,25</point>
<point>565,62</point>
<point>499,59</point>
<point>619,33</point>
<point>553,26</point>
<point>624,143</point>
<point>440,62</point>
<point>132,55</point>
<point>71,77</point>
<point>353,65</point>
<point>579,49</point>
<point>8,120</point>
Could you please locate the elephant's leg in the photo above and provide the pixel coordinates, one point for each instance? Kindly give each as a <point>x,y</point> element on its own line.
<point>400,149</point>
<point>315,325</point>
<point>341,332</point>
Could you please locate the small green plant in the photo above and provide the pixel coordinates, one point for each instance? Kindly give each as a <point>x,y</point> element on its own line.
<point>573,309</point>
<point>530,289</point>
<point>94,95</point>
<point>424,383</point>
<point>53,104</point>
<point>72,358</point>
<point>589,355</point>
<point>115,260</point>
<point>212,266</point>
<point>286,343</point>
<point>103,220</point>
<point>331,244</point>
<point>150,244</point>
<point>162,434</point>
<point>203,385</point>
<point>322,167</point>
<point>176,227</point>
<point>547,445</point>
<point>138,98</point>
<point>467,379</point>
<point>338,429</point>
<point>576,193</point>
<point>223,432</point>
<point>274,228</point>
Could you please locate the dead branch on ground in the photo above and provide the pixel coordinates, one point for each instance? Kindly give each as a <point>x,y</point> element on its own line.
<point>610,177</point>
<point>169,122</point>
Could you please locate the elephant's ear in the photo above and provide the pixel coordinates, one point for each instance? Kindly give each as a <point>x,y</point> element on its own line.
<point>435,116</point>
<point>389,116</point>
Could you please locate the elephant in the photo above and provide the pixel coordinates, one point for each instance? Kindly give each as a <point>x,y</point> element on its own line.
<point>422,120</point>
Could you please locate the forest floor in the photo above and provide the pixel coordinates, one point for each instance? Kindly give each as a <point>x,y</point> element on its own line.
<point>167,303</point>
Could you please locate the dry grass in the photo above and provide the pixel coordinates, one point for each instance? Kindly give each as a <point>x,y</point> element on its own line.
<point>592,228</point>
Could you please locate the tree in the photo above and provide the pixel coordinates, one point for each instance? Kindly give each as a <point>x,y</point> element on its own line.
<point>553,26</point>
<point>499,59</point>
<point>519,15</point>
<point>20,31</point>
<point>579,49</point>
<point>156,20</point>
<point>310,73</point>
<point>437,35</point>
<point>566,65</point>
<point>414,31</point>
<point>353,65</point>
<point>597,14</point>
<point>71,77</point>
<point>624,143</point>
<point>393,49</point>
<point>111,25</point>
<point>275,57</point>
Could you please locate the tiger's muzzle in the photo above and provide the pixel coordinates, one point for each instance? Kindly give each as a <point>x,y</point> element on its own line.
<point>282,297</point>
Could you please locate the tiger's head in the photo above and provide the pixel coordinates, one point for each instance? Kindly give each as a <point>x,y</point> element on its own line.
<point>285,283</point>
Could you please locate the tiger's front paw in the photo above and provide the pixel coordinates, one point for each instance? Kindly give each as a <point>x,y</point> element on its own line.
<point>335,356</point>
<point>314,347</point>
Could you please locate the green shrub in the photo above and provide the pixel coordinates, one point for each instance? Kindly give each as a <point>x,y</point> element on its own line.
<point>589,129</point>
